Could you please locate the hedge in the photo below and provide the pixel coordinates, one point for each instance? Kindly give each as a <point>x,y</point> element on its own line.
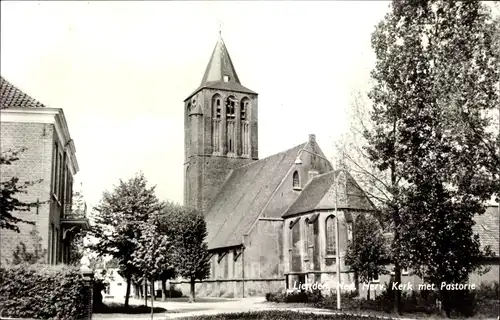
<point>279,315</point>
<point>483,301</point>
<point>42,291</point>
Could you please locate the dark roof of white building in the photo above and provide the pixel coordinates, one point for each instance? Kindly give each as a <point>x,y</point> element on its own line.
<point>12,97</point>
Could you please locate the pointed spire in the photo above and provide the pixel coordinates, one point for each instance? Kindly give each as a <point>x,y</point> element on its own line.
<point>220,68</point>
<point>220,72</point>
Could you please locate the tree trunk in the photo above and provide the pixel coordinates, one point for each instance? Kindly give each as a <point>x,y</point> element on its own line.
<point>152,287</point>
<point>369,289</point>
<point>163,290</point>
<point>127,294</point>
<point>395,217</point>
<point>152,297</point>
<point>445,302</point>
<point>191,293</point>
<point>397,292</point>
<point>137,290</point>
<point>146,292</point>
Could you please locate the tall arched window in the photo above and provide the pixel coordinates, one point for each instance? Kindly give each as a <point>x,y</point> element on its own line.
<point>230,107</point>
<point>245,103</point>
<point>310,236</point>
<point>295,259</point>
<point>307,238</point>
<point>216,115</point>
<point>230,123</point>
<point>245,127</point>
<point>331,248</point>
<point>216,106</point>
<point>296,180</point>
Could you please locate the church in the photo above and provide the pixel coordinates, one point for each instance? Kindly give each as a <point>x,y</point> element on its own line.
<point>271,222</point>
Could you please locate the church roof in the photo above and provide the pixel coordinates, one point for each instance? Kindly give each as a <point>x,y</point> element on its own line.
<point>12,97</point>
<point>487,226</point>
<point>233,213</point>
<point>219,67</point>
<point>315,195</point>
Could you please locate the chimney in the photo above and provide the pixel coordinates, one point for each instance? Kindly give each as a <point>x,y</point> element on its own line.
<point>312,138</point>
<point>312,174</point>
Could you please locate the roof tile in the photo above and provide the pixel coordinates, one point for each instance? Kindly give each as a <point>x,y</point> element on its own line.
<point>12,97</point>
<point>234,212</point>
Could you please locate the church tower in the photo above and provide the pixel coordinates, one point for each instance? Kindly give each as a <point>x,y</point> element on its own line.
<point>220,129</point>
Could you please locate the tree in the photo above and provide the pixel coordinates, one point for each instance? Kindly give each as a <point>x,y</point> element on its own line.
<point>168,225</point>
<point>436,81</point>
<point>77,247</point>
<point>191,257</point>
<point>10,191</point>
<point>117,228</point>
<point>153,254</point>
<point>366,253</point>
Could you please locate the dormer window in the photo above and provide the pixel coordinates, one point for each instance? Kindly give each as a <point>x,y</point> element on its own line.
<point>296,181</point>
<point>226,78</point>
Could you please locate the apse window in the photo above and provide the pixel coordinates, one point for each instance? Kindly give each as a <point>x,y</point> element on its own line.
<point>226,78</point>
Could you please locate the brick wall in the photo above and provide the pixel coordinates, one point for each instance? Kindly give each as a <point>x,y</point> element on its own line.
<point>264,250</point>
<point>35,163</point>
<point>206,171</point>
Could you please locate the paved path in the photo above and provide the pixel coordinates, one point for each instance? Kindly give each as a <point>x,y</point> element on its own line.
<point>179,308</point>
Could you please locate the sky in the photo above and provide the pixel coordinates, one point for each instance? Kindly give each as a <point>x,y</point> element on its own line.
<point>121,71</point>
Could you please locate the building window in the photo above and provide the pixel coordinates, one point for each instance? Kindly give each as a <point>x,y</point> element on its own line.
<point>216,107</point>
<point>295,261</point>
<point>216,115</point>
<point>230,107</point>
<point>349,231</point>
<point>330,236</point>
<point>243,112</point>
<point>56,252</point>
<point>52,244</point>
<point>226,78</point>
<point>60,177</point>
<point>230,125</point>
<point>245,129</point>
<point>296,180</point>
<point>376,279</point>
<point>244,109</point>
<point>307,239</point>
<point>54,169</point>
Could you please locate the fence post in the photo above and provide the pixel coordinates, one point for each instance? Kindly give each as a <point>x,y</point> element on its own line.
<point>88,276</point>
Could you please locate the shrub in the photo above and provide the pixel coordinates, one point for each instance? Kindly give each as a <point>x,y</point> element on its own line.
<point>42,291</point>
<point>313,296</point>
<point>487,299</point>
<point>174,293</point>
<point>120,308</point>
<point>280,315</point>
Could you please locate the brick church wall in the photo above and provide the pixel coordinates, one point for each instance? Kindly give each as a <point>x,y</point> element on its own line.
<point>35,163</point>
